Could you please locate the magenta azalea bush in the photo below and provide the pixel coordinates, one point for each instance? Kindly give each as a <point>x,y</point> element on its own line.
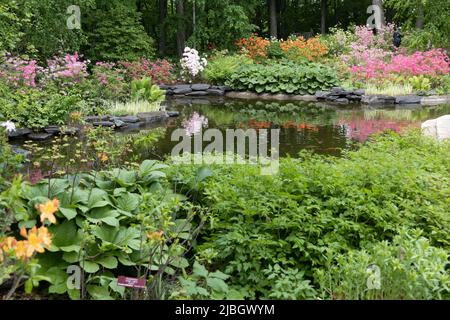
<point>431,63</point>
<point>19,72</point>
<point>372,57</point>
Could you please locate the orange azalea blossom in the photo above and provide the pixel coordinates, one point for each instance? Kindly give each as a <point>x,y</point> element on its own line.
<point>254,47</point>
<point>48,210</point>
<point>312,49</point>
<point>103,157</point>
<point>156,235</point>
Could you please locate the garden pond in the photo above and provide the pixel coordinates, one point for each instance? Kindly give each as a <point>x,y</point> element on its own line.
<point>322,128</point>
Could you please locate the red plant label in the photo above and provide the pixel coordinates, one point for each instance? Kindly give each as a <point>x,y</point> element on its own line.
<point>131,282</point>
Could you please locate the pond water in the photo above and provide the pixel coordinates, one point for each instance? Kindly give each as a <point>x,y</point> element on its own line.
<point>322,128</point>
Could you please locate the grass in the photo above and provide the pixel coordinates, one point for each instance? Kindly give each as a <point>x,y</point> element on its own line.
<point>132,107</point>
<point>390,90</point>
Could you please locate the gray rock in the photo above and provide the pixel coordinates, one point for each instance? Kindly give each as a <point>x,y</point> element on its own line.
<point>435,100</point>
<point>182,90</point>
<point>359,92</point>
<point>39,136</point>
<point>19,133</point>
<point>127,119</point>
<point>165,87</point>
<point>223,88</point>
<point>149,117</point>
<point>200,87</point>
<point>322,95</point>
<point>169,92</point>
<point>342,101</point>
<point>408,99</point>
<point>378,100</point>
<point>197,93</point>
<point>173,114</point>
<point>52,129</point>
<point>306,97</point>
<point>354,97</point>
<point>20,151</point>
<point>108,124</point>
<point>97,118</point>
<point>242,95</point>
<point>119,123</point>
<point>332,97</point>
<point>216,92</point>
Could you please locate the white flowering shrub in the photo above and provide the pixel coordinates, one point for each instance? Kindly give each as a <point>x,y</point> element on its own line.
<point>192,64</point>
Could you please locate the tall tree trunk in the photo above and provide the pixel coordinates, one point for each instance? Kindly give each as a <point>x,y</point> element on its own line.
<point>181,32</point>
<point>420,16</point>
<point>379,3</point>
<point>323,20</point>
<point>162,26</point>
<point>273,18</point>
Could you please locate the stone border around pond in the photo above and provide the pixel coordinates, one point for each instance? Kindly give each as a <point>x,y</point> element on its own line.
<point>109,121</point>
<point>195,90</point>
<point>343,97</point>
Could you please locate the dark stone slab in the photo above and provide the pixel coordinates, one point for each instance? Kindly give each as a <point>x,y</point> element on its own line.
<point>20,151</point>
<point>96,118</point>
<point>354,97</point>
<point>169,92</point>
<point>52,129</point>
<point>165,87</point>
<point>197,93</point>
<point>173,114</point>
<point>19,133</point>
<point>119,123</point>
<point>359,92</point>
<point>149,117</point>
<point>378,100</point>
<point>342,101</point>
<point>127,119</point>
<point>39,136</point>
<point>182,90</point>
<point>200,87</point>
<point>408,99</point>
<point>108,124</point>
<point>322,95</point>
<point>216,92</point>
<point>223,88</point>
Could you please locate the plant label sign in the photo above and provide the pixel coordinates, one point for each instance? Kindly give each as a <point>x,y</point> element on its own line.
<point>131,282</point>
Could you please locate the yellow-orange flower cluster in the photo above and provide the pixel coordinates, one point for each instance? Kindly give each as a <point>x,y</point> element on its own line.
<point>156,235</point>
<point>254,47</point>
<point>312,49</point>
<point>37,241</point>
<point>48,210</point>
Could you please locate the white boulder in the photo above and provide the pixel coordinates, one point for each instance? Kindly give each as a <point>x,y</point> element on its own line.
<point>438,129</point>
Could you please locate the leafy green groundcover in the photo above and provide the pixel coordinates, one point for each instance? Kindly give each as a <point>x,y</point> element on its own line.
<point>284,77</point>
<point>297,223</point>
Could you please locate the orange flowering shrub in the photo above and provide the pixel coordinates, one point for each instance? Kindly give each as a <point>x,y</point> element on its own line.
<point>254,47</point>
<point>311,49</point>
<point>37,239</point>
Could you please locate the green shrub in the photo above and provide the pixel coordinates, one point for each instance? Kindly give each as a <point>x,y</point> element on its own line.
<point>283,78</point>
<point>36,109</point>
<point>143,90</point>
<point>406,268</point>
<point>220,68</point>
<point>320,204</point>
<point>113,223</point>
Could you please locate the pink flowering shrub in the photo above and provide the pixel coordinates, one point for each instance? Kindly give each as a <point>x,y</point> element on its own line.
<point>20,72</point>
<point>111,79</point>
<point>431,63</point>
<point>194,124</point>
<point>371,57</point>
<point>69,67</point>
<point>160,71</point>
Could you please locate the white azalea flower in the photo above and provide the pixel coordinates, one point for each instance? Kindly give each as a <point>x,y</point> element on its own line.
<point>9,126</point>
